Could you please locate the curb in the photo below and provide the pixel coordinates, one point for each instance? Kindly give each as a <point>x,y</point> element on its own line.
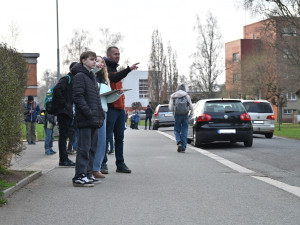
<point>21,184</point>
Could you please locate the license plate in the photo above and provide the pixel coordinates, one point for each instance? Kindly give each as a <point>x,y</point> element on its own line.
<point>227,131</point>
<point>257,122</point>
<point>166,115</point>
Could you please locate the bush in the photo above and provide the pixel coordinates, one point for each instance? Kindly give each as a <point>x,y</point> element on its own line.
<point>13,79</point>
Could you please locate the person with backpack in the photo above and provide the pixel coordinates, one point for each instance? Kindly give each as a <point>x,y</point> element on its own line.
<point>50,123</point>
<point>62,99</point>
<point>180,103</point>
<point>32,110</point>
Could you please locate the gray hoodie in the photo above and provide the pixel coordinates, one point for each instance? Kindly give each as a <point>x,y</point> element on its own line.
<point>181,92</point>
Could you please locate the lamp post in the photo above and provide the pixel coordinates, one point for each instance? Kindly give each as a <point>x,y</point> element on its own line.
<point>58,62</point>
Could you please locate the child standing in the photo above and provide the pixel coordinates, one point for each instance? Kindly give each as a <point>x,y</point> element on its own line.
<point>49,133</point>
<point>89,117</point>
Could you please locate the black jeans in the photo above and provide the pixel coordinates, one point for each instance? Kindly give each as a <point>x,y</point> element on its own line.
<point>148,118</point>
<point>64,124</point>
<point>86,150</point>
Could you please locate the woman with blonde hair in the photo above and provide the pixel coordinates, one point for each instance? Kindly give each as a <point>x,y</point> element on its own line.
<point>106,97</point>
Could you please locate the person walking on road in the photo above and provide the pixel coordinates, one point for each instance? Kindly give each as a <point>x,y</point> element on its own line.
<point>89,117</point>
<point>180,103</point>
<point>149,113</point>
<point>116,110</point>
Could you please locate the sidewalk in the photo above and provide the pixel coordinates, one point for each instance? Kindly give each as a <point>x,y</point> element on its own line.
<point>33,158</point>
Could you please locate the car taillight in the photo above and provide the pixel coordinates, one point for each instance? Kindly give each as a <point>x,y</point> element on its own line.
<point>204,118</point>
<point>245,117</point>
<point>156,113</point>
<point>271,117</point>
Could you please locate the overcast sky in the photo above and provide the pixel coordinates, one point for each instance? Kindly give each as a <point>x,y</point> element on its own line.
<point>134,19</point>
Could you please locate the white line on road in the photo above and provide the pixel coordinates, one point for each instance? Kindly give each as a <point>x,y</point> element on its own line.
<point>288,188</point>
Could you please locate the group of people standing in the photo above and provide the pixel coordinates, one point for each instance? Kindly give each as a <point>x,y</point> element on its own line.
<point>99,115</point>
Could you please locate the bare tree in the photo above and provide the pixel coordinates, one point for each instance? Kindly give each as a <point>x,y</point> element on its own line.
<point>108,39</point>
<point>207,60</point>
<point>12,36</point>
<point>80,42</point>
<point>49,80</point>
<point>172,71</point>
<point>156,68</point>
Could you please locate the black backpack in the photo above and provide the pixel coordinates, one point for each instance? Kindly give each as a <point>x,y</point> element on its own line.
<point>181,106</point>
<point>49,103</point>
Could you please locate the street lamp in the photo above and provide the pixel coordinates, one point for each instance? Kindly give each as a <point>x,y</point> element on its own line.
<point>58,62</point>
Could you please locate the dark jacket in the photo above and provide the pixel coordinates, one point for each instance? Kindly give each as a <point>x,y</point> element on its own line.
<point>88,109</point>
<point>115,82</point>
<point>62,93</point>
<point>31,117</point>
<point>149,112</point>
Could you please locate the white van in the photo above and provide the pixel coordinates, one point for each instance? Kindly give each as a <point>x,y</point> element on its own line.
<point>262,116</point>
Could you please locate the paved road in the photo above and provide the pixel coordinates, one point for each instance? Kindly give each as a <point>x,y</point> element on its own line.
<point>165,187</point>
<point>278,158</point>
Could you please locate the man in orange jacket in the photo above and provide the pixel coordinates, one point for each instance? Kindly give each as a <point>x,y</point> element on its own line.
<point>115,124</point>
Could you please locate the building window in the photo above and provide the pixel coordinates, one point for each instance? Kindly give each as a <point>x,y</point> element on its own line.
<point>236,77</point>
<point>289,111</point>
<point>143,88</point>
<point>291,96</point>
<point>236,57</point>
<point>289,32</point>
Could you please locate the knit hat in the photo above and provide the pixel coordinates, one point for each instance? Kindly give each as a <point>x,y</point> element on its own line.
<point>181,87</point>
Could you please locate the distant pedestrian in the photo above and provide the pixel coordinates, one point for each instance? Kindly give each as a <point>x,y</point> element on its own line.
<point>136,120</point>
<point>149,113</point>
<point>49,125</point>
<point>180,103</point>
<point>32,110</point>
<point>89,117</point>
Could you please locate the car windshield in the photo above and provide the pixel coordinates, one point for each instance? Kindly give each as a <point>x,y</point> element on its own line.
<point>164,109</point>
<point>258,107</point>
<point>222,107</point>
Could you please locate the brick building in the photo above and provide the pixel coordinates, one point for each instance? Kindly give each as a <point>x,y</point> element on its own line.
<point>32,84</point>
<point>258,41</point>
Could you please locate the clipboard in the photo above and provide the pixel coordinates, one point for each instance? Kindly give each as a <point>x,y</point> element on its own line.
<point>114,91</point>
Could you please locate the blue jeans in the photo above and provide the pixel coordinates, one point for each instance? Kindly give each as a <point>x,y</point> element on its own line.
<point>101,147</point>
<point>115,126</point>
<point>181,129</point>
<point>49,138</point>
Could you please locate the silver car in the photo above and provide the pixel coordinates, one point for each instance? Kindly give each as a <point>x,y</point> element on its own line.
<point>262,116</point>
<point>162,117</point>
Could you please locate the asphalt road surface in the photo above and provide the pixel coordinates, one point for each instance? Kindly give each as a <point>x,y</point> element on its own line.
<point>217,185</point>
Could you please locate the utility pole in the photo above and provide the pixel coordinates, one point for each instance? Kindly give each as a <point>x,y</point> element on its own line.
<point>58,62</point>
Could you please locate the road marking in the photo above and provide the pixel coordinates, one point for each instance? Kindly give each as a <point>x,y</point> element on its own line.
<point>219,159</point>
<point>291,189</point>
<point>283,186</point>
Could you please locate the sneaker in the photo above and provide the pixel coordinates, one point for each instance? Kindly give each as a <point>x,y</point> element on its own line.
<point>33,142</point>
<point>111,152</point>
<point>179,149</point>
<point>48,152</point>
<point>67,163</point>
<point>104,168</point>
<point>122,168</point>
<point>98,174</point>
<point>82,181</point>
<point>52,151</point>
<point>94,180</point>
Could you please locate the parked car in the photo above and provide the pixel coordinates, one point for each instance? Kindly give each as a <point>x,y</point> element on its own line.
<point>220,120</point>
<point>141,113</point>
<point>262,116</point>
<point>162,117</point>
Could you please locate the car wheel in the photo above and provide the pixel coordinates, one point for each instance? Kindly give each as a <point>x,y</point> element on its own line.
<point>248,143</point>
<point>196,142</point>
<point>269,135</point>
<point>189,141</point>
<point>154,127</point>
